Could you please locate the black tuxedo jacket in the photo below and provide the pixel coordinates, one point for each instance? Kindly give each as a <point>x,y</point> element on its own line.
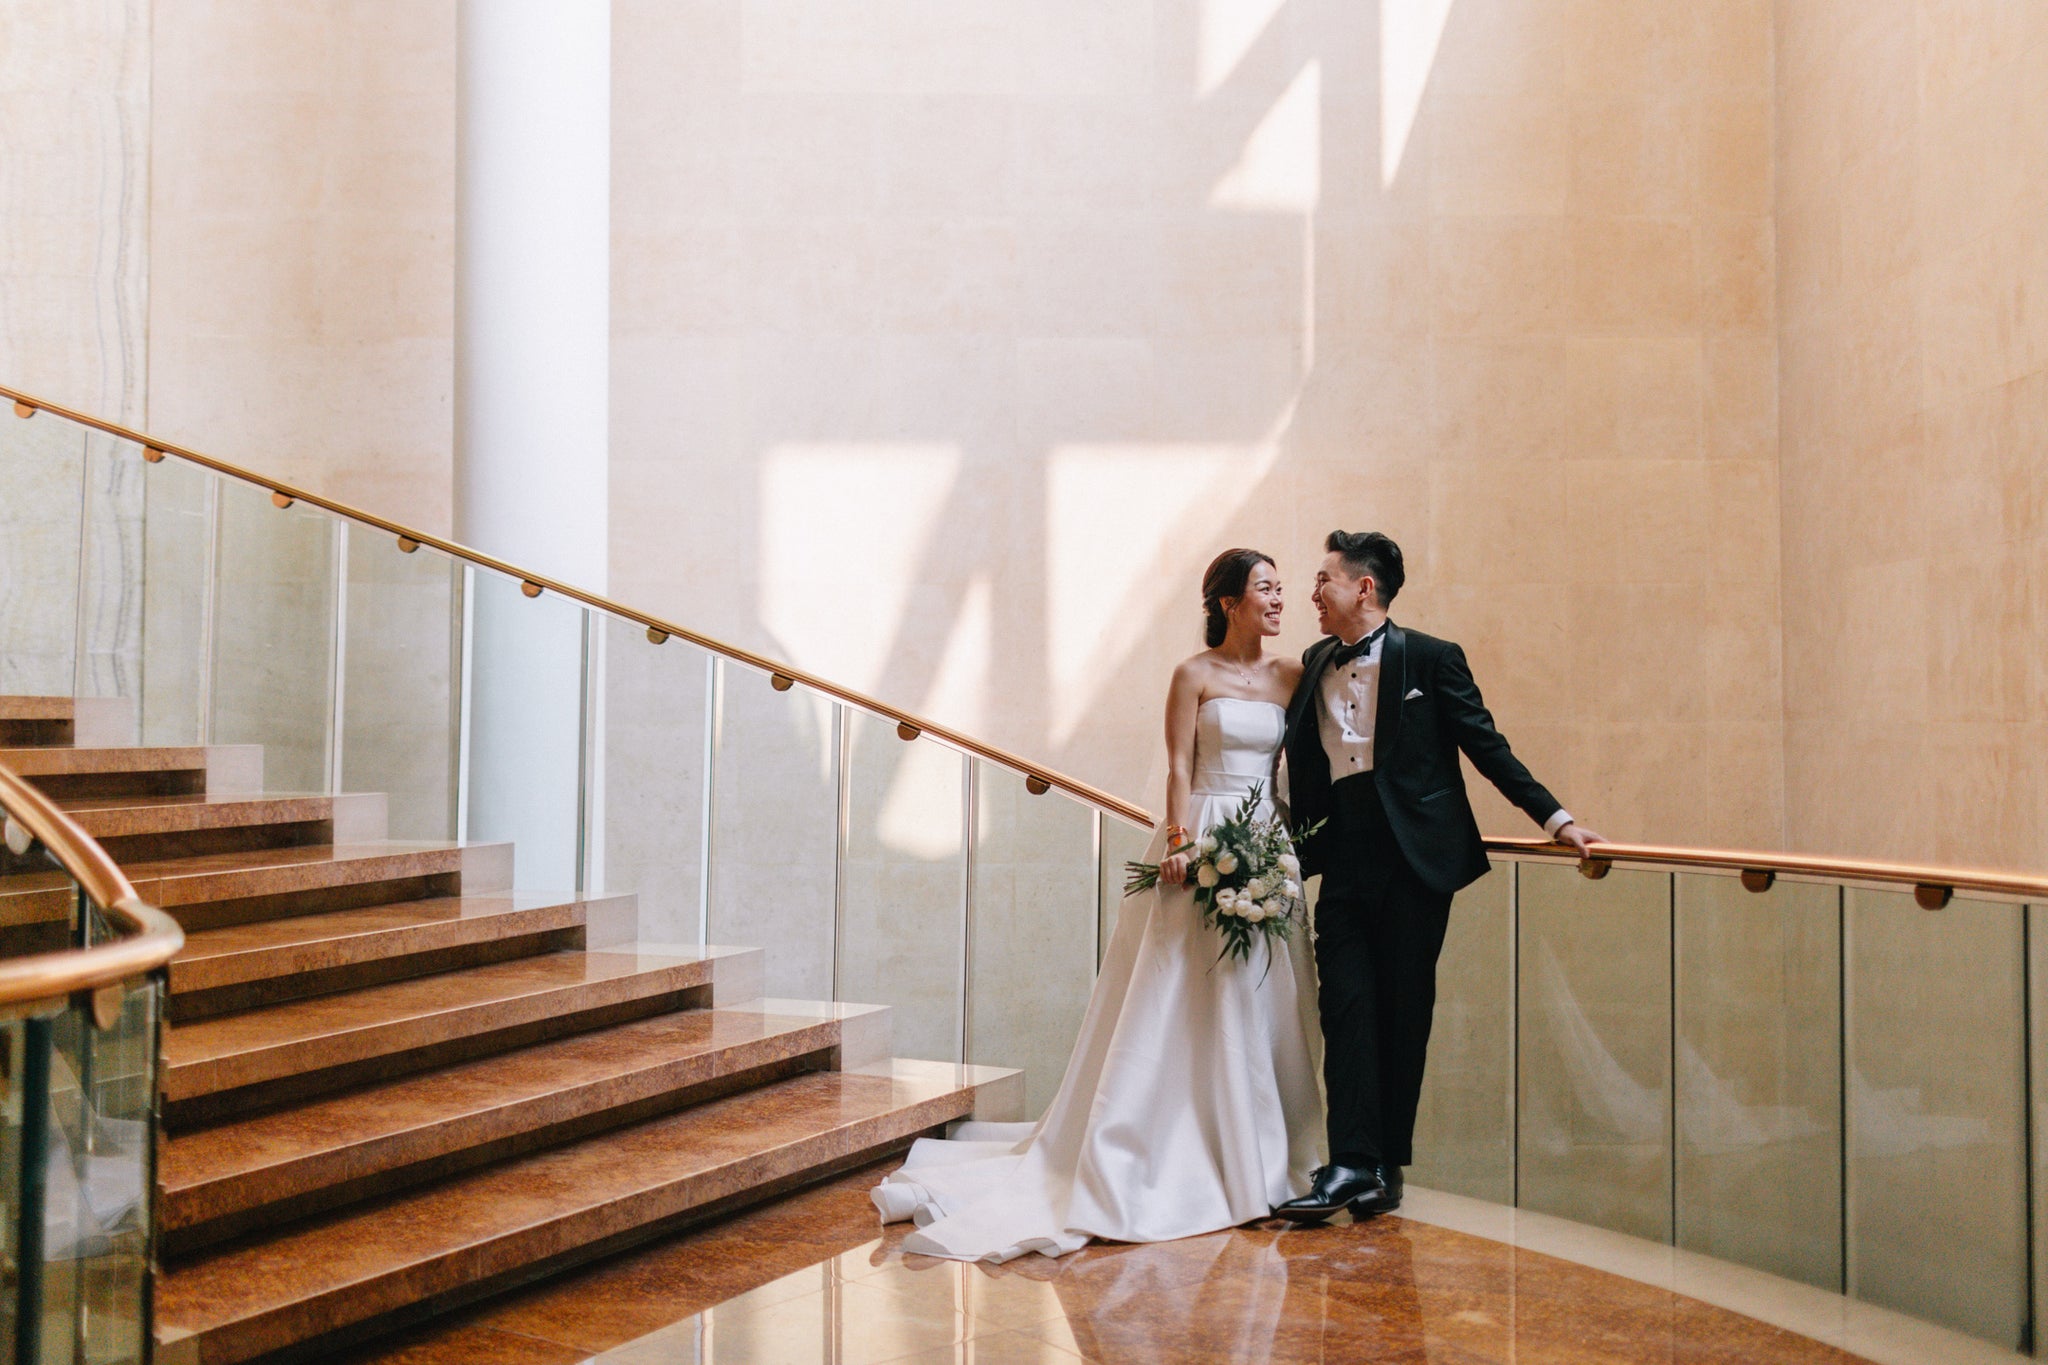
<point>1416,741</point>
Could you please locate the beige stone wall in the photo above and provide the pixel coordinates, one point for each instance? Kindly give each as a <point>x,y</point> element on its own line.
<point>1913,165</point>
<point>301,243</point>
<point>952,340</point>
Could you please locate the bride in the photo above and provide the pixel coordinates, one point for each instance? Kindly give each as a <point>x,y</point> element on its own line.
<point>1190,1101</point>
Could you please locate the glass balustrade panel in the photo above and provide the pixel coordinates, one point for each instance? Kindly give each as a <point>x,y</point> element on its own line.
<point>1594,1030</point>
<point>1464,1126</point>
<point>1937,1180</point>
<point>1758,1058</point>
<point>657,700</point>
<point>775,828</point>
<point>42,501</point>
<point>401,682</point>
<point>903,885</point>
<point>109,629</point>
<point>12,1107</point>
<point>180,509</point>
<point>74,1238</point>
<point>1122,843</point>
<point>101,1165</point>
<point>1031,948</point>
<point>274,617</point>
<point>523,746</point>
<point>2037,1061</point>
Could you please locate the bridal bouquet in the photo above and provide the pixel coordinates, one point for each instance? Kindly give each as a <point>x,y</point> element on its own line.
<point>1247,881</point>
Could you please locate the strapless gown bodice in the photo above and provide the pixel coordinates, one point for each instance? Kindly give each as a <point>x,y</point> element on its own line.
<point>1235,743</point>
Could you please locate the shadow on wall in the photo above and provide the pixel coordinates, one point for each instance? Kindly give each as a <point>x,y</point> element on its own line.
<point>988,329</point>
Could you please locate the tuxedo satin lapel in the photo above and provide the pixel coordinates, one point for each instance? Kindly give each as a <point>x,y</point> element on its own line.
<point>1386,721</point>
<point>1303,702</point>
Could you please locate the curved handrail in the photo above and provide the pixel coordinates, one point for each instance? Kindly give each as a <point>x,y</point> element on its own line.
<point>1039,777</point>
<point>1755,863</point>
<point>154,936</point>
<point>1957,880</point>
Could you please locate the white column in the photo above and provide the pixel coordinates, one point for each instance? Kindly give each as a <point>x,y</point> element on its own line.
<point>532,360</point>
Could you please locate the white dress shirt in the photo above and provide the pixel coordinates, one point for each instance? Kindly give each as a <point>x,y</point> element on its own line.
<point>1350,710</point>
<point>1350,697</point>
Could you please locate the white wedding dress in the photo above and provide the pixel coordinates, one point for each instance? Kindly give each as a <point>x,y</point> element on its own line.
<point>1190,1102</point>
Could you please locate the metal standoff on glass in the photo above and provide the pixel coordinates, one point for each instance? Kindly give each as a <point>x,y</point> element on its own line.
<point>906,731</point>
<point>529,587</point>
<point>152,455</point>
<point>1928,896</point>
<point>1593,869</point>
<point>406,545</point>
<point>1758,879</point>
<point>781,682</point>
<point>1036,785</point>
<point>22,409</point>
<point>656,635</point>
<point>281,499</point>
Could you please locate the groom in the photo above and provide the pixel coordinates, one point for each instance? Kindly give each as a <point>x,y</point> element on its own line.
<point>1373,737</point>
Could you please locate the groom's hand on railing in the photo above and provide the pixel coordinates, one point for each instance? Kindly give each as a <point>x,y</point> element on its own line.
<point>1578,836</point>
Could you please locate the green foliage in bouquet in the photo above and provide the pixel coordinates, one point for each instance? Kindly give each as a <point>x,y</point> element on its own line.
<point>1246,879</point>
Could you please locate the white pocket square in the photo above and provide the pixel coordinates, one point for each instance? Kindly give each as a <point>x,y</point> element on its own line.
<point>1413,693</point>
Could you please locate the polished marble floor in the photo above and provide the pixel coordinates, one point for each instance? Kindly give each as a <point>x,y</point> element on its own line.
<point>809,1282</point>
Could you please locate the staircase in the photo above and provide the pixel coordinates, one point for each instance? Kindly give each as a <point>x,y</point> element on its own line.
<point>393,1083</point>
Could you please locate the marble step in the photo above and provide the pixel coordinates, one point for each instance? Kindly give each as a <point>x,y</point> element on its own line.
<point>282,1053</point>
<point>432,1246</point>
<point>264,1170</point>
<point>49,721</point>
<point>241,966</point>
<point>236,887</point>
<point>167,770</point>
<point>152,828</point>
<point>36,905</point>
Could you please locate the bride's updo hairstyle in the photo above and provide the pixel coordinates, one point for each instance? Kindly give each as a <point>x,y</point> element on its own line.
<point>1228,574</point>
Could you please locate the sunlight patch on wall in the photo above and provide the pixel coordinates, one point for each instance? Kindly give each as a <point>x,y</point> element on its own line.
<point>1229,29</point>
<point>1129,524</point>
<point>1280,168</point>
<point>1410,31</point>
<point>921,813</point>
<point>845,527</point>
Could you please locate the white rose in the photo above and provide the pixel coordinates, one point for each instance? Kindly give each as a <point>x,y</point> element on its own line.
<point>1291,890</point>
<point>1205,875</point>
<point>1256,888</point>
<point>1255,912</point>
<point>1290,864</point>
<point>1226,902</point>
<point>1226,862</point>
<point>1207,845</point>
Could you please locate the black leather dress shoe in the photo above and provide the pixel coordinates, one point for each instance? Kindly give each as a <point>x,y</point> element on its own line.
<point>1385,1199</point>
<point>1332,1189</point>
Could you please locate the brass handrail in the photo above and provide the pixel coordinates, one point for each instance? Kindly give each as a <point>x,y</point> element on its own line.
<point>1758,867</point>
<point>1039,778</point>
<point>1036,776</point>
<point>154,937</point>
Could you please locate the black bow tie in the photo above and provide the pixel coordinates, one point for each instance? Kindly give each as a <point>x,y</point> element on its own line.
<point>1346,653</point>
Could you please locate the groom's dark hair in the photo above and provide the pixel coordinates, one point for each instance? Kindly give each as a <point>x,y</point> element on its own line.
<point>1370,554</point>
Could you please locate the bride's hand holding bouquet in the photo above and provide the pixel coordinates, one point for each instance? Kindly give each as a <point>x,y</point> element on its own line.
<point>1247,879</point>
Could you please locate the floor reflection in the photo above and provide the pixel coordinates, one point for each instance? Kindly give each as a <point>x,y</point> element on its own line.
<point>809,1282</point>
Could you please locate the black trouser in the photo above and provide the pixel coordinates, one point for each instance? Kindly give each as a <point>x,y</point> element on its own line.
<point>1378,933</point>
